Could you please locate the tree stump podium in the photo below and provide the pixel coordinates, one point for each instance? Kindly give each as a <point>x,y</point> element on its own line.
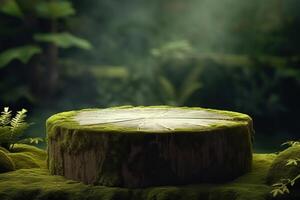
<point>148,146</point>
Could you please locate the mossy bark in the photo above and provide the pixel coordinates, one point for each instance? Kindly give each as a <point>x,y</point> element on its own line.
<point>102,156</point>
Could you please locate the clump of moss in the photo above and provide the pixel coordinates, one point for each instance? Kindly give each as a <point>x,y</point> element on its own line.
<point>23,161</point>
<point>279,169</point>
<point>4,150</point>
<point>38,155</point>
<point>22,156</point>
<point>6,163</point>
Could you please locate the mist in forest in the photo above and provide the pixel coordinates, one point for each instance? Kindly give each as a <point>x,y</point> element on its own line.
<point>126,31</point>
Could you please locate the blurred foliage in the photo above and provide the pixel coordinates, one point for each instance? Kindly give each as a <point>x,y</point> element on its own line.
<point>54,9</point>
<point>236,55</point>
<point>173,50</point>
<point>11,7</point>
<point>43,21</point>
<point>23,54</point>
<point>63,40</point>
<point>256,87</point>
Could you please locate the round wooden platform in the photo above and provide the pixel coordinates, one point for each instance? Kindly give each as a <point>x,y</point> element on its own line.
<point>148,146</point>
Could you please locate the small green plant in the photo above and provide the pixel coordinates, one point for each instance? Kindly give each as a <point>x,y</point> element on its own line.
<point>282,187</point>
<point>179,96</point>
<point>12,129</point>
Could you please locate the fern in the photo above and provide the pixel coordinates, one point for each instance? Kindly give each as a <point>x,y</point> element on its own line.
<point>168,90</point>
<point>282,187</point>
<point>291,143</point>
<point>18,122</point>
<point>178,96</point>
<point>190,85</point>
<point>35,140</point>
<point>18,126</point>
<point>5,117</point>
<point>292,162</point>
<point>12,129</point>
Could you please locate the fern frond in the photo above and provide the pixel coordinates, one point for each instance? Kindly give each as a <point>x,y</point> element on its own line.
<point>19,119</point>
<point>12,128</point>
<point>291,143</point>
<point>5,117</point>
<point>168,89</point>
<point>35,140</point>
<point>18,125</point>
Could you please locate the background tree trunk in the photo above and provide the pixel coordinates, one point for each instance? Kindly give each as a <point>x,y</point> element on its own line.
<point>51,62</point>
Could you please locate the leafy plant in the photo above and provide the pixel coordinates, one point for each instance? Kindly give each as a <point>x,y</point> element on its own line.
<point>177,50</point>
<point>12,129</point>
<point>282,187</point>
<point>11,7</point>
<point>291,143</point>
<point>63,40</point>
<point>23,54</point>
<point>54,9</point>
<point>172,95</point>
<point>51,11</point>
<point>45,44</point>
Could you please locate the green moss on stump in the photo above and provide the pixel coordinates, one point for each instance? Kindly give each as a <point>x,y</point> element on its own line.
<point>65,120</point>
<point>279,170</point>
<point>6,163</point>
<point>147,146</point>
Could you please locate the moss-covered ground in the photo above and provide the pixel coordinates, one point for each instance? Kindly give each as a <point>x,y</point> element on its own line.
<point>32,181</point>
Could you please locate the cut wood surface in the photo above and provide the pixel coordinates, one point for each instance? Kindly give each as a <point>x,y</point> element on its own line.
<point>147,146</point>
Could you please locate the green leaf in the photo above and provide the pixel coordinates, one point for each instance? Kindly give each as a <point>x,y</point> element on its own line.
<point>18,124</point>
<point>277,185</point>
<point>63,40</point>
<point>180,49</point>
<point>169,91</point>
<point>291,143</point>
<point>188,92</point>
<point>36,140</point>
<point>285,189</point>
<point>11,7</point>
<point>295,179</point>
<point>292,182</point>
<point>23,54</point>
<point>274,192</point>
<point>5,117</point>
<point>190,85</point>
<point>54,9</point>
<point>292,162</point>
